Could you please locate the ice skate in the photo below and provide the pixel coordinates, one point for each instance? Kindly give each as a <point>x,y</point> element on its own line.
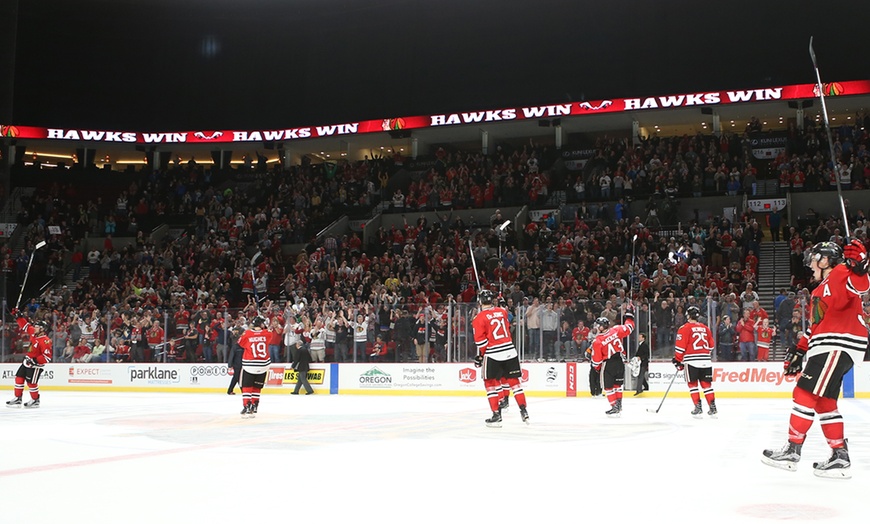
<point>619,405</point>
<point>713,412</point>
<point>246,411</point>
<point>14,403</point>
<point>613,412</point>
<point>503,404</point>
<point>785,458</point>
<point>836,467</point>
<point>524,414</point>
<point>254,406</point>
<point>32,404</point>
<point>495,420</point>
<point>697,412</point>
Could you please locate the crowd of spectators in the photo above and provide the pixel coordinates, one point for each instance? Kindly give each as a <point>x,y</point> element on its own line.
<point>178,298</point>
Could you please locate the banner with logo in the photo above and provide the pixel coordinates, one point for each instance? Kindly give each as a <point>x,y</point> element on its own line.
<point>478,117</point>
<point>767,146</point>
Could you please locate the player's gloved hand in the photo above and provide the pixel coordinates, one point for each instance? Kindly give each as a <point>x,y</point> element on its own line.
<point>793,363</point>
<point>856,257</point>
<point>677,364</point>
<point>14,312</point>
<point>478,360</point>
<point>29,362</point>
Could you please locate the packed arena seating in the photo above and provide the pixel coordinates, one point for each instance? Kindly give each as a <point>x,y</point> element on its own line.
<point>580,266</point>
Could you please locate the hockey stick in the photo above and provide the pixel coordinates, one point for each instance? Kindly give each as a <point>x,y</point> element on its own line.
<point>631,270</point>
<point>27,273</point>
<point>254,281</point>
<point>473,263</point>
<point>834,161</point>
<point>650,410</point>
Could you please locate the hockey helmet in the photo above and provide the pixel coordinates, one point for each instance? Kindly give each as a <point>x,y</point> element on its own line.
<point>42,324</point>
<point>258,322</point>
<point>831,250</point>
<point>693,312</point>
<point>604,322</point>
<point>485,297</point>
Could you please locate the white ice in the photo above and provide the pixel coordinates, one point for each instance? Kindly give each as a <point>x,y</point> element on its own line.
<point>190,458</point>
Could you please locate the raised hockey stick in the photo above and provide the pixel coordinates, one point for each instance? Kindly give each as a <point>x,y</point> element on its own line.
<point>656,410</point>
<point>27,273</point>
<point>473,263</point>
<point>254,280</point>
<point>834,161</point>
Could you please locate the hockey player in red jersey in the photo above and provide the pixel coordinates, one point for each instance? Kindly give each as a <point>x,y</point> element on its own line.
<point>835,339</point>
<point>497,355</point>
<point>608,357</point>
<point>692,348</point>
<point>255,364</point>
<point>31,367</point>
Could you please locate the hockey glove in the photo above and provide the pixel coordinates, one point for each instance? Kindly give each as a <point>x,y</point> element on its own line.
<point>856,257</point>
<point>794,361</point>
<point>677,364</point>
<point>29,362</point>
<point>478,360</point>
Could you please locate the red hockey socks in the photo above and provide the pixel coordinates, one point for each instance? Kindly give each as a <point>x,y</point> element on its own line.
<point>831,421</point>
<point>802,415</point>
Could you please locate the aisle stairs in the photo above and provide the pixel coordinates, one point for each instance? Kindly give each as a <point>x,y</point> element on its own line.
<point>774,274</point>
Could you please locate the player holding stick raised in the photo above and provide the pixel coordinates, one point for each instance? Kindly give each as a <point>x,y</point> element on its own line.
<point>497,355</point>
<point>834,341</point>
<point>32,366</point>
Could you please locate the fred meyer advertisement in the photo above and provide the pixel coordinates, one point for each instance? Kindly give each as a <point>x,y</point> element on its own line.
<point>554,379</point>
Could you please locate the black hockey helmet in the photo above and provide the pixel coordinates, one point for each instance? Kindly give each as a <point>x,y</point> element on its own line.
<point>485,297</point>
<point>831,250</point>
<point>604,322</point>
<point>258,322</point>
<point>693,312</point>
<point>41,324</point>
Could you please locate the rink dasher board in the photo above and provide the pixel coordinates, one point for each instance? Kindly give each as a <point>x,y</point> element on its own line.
<point>550,379</point>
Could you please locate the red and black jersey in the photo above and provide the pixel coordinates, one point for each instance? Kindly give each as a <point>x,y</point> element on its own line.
<point>694,345</point>
<point>836,322</point>
<point>764,336</point>
<point>255,359</point>
<point>609,343</point>
<point>492,334</point>
<point>40,346</point>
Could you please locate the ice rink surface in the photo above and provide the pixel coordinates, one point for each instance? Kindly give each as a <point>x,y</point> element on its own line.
<point>190,458</point>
